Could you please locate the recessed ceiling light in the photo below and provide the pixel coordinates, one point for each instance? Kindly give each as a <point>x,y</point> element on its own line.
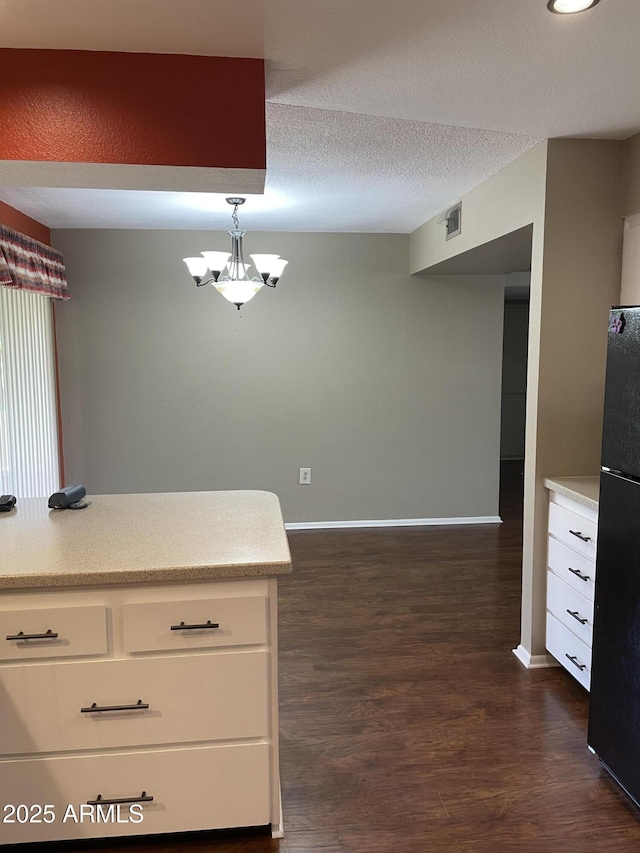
<point>570,7</point>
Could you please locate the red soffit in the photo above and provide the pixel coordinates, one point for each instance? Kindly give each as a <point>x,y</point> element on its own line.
<point>76,106</point>
<point>19,221</point>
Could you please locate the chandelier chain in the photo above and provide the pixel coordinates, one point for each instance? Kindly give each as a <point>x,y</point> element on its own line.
<point>234,216</point>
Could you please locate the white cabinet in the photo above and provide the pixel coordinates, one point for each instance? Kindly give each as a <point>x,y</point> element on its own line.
<point>571,571</point>
<point>170,690</point>
<point>191,789</point>
<point>207,623</point>
<point>52,632</point>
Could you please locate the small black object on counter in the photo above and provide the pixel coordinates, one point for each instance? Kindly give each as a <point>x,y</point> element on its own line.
<point>7,503</point>
<point>68,497</point>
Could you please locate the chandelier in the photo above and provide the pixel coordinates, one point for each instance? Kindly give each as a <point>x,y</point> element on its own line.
<point>228,271</point>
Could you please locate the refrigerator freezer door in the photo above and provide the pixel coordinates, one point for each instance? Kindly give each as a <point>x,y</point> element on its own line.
<point>614,709</point>
<point>621,428</point>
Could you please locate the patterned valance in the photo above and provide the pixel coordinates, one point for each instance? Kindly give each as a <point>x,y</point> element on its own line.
<point>27,264</point>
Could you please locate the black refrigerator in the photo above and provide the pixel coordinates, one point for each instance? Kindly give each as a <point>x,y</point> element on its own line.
<point>614,709</point>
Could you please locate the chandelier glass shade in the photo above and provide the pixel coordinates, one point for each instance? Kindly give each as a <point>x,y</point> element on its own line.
<point>229,274</point>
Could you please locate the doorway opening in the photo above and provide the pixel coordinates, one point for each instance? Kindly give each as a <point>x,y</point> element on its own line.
<point>508,256</point>
<point>514,394</point>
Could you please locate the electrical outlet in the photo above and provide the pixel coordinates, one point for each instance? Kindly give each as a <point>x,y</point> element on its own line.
<point>305,476</point>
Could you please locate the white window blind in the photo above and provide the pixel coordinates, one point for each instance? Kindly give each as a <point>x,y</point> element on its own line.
<point>29,464</point>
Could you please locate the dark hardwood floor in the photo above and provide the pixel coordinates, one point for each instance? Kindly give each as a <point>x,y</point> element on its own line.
<point>407,725</point>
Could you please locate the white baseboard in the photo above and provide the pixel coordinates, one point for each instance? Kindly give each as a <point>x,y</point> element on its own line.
<point>534,661</point>
<point>393,522</point>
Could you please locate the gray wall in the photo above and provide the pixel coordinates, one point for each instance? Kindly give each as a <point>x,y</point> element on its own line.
<point>386,385</point>
<point>568,319</point>
<point>630,183</point>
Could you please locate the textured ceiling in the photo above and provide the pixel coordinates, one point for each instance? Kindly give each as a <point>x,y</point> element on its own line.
<point>326,171</point>
<point>380,114</point>
<point>507,65</point>
<point>199,27</point>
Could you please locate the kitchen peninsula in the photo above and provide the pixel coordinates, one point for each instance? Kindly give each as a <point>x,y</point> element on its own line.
<point>138,664</point>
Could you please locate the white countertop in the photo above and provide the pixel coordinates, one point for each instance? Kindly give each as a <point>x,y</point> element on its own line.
<point>143,538</point>
<point>584,490</point>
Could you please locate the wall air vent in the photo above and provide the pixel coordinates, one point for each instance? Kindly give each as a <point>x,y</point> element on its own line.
<point>453,220</point>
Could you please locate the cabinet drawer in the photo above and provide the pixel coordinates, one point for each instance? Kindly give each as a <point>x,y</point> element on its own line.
<point>563,601</point>
<point>153,627</point>
<point>191,698</point>
<point>81,631</point>
<point>563,645</point>
<point>579,572</point>
<point>566,525</point>
<point>192,789</point>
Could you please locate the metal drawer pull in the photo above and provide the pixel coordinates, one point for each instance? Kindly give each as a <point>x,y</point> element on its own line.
<point>580,536</point>
<point>576,616</point>
<point>99,801</point>
<point>48,635</point>
<point>95,709</point>
<point>577,573</point>
<point>184,627</point>
<point>574,661</point>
